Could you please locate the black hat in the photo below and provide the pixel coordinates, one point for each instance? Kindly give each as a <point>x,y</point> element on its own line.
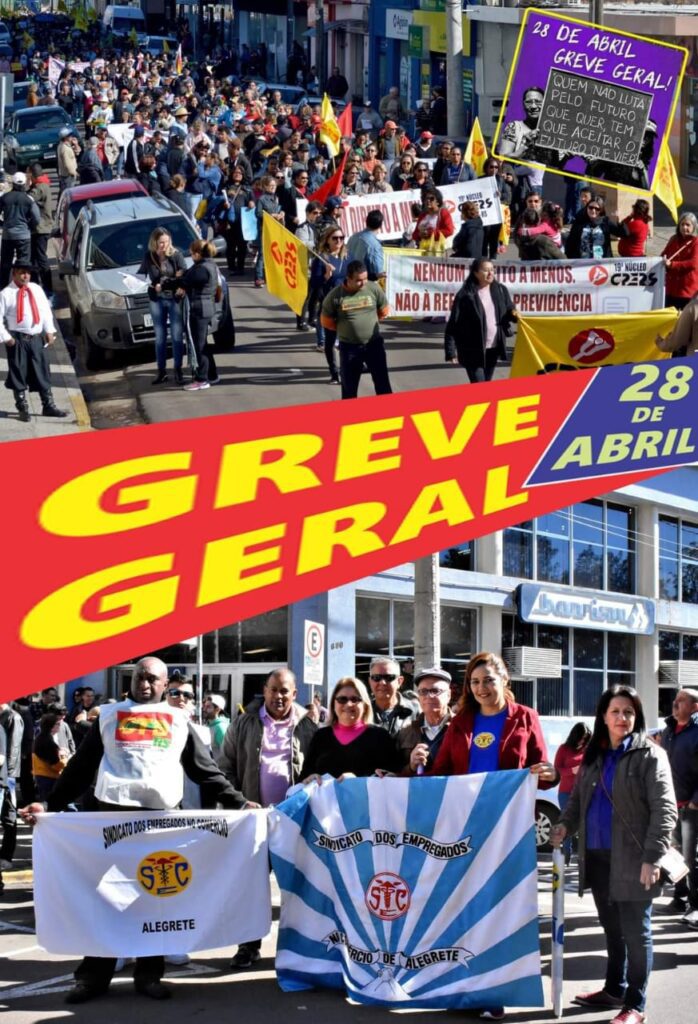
<point>22,265</point>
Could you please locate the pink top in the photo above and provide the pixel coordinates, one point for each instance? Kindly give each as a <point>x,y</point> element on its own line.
<point>275,757</point>
<point>347,733</point>
<point>485,297</point>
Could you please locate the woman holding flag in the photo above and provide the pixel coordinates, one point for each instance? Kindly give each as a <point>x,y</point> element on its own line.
<point>491,732</point>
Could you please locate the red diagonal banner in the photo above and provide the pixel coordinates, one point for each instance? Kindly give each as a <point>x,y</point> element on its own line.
<point>128,540</point>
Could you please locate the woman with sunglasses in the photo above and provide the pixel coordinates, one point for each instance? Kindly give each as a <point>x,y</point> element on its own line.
<point>328,269</point>
<point>421,177</point>
<point>402,172</point>
<point>351,745</point>
<point>590,235</point>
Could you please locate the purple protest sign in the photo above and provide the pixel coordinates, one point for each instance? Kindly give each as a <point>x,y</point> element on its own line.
<point>589,101</point>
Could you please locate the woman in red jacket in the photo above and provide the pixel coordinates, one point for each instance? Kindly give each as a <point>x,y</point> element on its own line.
<point>681,260</point>
<point>435,224</point>
<point>568,760</point>
<point>638,225</point>
<point>491,732</point>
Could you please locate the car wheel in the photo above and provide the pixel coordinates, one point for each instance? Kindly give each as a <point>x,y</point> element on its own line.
<point>546,816</point>
<point>224,335</point>
<point>95,356</point>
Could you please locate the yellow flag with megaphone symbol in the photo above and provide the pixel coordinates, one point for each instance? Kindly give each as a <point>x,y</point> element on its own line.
<point>285,264</point>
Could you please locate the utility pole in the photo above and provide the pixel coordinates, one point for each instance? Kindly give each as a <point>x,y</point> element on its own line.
<point>596,11</point>
<point>320,48</point>
<point>427,613</point>
<point>454,69</point>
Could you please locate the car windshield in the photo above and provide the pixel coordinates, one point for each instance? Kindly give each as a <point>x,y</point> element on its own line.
<point>123,244</point>
<point>126,24</point>
<point>77,205</point>
<point>39,120</point>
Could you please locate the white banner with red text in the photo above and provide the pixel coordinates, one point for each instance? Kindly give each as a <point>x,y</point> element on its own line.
<point>421,286</point>
<point>396,207</point>
<point>150,882</point>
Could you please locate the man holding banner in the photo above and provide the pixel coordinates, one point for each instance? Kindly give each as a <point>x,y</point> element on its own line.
<point>140,751</point>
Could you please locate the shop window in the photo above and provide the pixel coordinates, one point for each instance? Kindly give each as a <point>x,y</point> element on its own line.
<point>678,560</point>
<point>385,626</point>
<point>677,646</point>
<point>461,557</point>
<point>591,545</point>
<point>261,638</point>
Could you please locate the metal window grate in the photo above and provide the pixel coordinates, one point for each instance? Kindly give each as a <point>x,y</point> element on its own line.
<point>533,662</point>
<point>679,673</point>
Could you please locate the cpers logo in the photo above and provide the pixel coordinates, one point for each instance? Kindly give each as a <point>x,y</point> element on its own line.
<point>164,873</point>
<point>598,275</point>
<point>591,346</point>
<point>388,896</point>
<point>146,728</point>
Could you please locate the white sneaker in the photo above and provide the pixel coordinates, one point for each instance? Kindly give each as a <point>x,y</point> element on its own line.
<point>691,918</point>
<point>177,959</point>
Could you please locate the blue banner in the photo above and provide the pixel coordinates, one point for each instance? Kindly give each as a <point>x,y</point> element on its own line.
<point>411,892</point>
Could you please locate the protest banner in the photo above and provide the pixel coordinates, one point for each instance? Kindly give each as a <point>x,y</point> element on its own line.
<point>149,534</point>
<point>574,342</point>
<point>151,882</point>
<point>416,893</point>
<point>396,207</point>
<point>589,101</point>
<point>418,286</point>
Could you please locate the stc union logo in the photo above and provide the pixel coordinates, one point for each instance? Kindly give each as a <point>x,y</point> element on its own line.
<point>591,346</point>
<point>164,873</point>
<point>149,728</point>
<point>388,896</point>
<point>598,275</point>
<point>484,740</point>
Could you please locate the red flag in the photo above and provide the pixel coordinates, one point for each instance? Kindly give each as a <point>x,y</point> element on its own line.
<point>345,123</point>
<point>332,186</point>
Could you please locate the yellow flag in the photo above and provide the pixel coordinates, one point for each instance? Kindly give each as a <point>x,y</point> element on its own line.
<point>165,46</point>
<point>285,264</point>
<point>330,133</point>
<point>476,150</point>
<point>60,7</point>
<point>545,344</point>
<point>666,182</point>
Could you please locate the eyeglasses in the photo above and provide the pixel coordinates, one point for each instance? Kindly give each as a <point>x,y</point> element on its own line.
<point>591,206</point>
<point>431,693</point>
<point>348,700</point>
<point>385,677</point>
<point>180,693</point>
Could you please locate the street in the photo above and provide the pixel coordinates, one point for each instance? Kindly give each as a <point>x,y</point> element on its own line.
<point>33,982</point>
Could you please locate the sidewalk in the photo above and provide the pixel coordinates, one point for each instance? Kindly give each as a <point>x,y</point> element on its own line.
<point>66,393</point>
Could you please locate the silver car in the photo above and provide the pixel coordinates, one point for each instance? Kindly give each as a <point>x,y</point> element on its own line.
<point>108,302</point>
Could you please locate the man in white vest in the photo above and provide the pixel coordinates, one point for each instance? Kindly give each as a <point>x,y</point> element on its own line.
<point>140,750</point>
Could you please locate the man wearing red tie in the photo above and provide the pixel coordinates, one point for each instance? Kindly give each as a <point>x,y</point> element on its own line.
<point>27,327</point>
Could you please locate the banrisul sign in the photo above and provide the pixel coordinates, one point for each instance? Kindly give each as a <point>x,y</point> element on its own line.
<point>586,609</point>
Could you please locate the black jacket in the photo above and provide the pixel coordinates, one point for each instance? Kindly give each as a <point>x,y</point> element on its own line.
<point>468,243</point>
<point>200,283</point>
<point>574,239</point>
<point>162,273</point>
<point>682,751</point>
<point>466,330</point>
<point>373,748</point>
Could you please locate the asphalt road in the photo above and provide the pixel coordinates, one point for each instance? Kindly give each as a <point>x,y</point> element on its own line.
<point>33,983</point>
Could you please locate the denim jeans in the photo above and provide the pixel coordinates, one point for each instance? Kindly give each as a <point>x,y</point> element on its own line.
<point>686,840</point>
<point>168,310</point>
<point>627,925</point>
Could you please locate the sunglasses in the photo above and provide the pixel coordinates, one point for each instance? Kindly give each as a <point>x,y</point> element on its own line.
<point>590,206</point>
<point>336,238</point>
<point>180,693</point>
<point>386,677</point>
<point>347,700</point>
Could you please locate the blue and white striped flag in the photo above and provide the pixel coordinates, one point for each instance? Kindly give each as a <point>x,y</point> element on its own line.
<point>411,892</point>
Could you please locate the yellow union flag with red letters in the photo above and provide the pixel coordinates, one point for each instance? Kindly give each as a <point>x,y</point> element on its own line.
<point>285,264</point>
<point>546,344</point>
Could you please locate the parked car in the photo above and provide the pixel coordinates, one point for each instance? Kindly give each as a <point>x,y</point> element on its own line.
<point>18,99</point>
<point>555,731</point>
<point>108,303</point>
<point>32,134</point>
<point>74,199</point>
<point>156,45</point>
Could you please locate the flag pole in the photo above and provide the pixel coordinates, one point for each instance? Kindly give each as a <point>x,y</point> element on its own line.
<point>558,934</point>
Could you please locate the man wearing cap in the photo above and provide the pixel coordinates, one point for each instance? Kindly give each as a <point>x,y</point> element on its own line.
<point>20,216</point>
<point>369,119</point>
<point>426,150</point>
<point>213,711</point>
<point>419,743</point>
<point>27,327</point>
<point>67,159</point>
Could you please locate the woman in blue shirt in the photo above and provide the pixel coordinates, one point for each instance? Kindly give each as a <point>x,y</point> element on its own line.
<point>624,808</point>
